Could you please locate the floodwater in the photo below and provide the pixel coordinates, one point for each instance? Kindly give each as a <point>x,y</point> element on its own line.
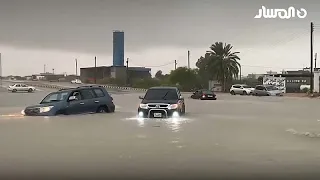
<point>234,136</point>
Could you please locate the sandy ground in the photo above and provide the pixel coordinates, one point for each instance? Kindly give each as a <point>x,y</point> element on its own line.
<point>233,137</point>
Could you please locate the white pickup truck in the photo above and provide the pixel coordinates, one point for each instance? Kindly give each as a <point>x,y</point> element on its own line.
<point>21,87</point>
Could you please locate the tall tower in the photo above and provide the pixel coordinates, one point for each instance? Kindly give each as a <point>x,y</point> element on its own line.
<point>118,48</point>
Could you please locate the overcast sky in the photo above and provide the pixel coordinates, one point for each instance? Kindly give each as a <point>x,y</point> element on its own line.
<point>55,32</point>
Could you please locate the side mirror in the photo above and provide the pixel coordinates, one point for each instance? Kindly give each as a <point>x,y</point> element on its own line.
<point>72,98</point>
<point>140,97</point>
<point>181,98</point>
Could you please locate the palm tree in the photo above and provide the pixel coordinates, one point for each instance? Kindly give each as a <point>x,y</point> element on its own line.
<point>223,63</point>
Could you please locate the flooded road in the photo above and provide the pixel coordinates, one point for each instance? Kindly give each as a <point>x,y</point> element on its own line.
<point>235,136</point>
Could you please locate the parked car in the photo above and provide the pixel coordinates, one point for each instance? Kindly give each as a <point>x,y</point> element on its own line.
<point>85,99</point>
<point>203,94</point>
<point>241,89</point>
<point>21,87</point>
<point>162,102</point>
<point>265,90</point>
<point>76,81</point>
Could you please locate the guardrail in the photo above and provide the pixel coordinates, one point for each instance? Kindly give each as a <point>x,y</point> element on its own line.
<point>50,86</point>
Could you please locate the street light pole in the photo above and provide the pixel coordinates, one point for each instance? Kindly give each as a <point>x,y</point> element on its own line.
<point>311,54</point>
<point>0,71</point>
<point>95,69</point>
<point>127,72</point>
<point>76,67</point>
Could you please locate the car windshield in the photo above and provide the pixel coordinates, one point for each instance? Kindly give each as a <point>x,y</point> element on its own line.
<point>56,96</point>
<point>158,94</point>
<point>207,92</point>
<point>271,88</point>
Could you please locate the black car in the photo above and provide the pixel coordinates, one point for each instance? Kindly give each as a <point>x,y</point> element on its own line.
<point>203,95</point>
<point>162,102</point>
<point>84,99</point>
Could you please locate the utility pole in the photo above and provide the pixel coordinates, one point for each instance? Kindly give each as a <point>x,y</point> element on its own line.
<point>76,67</point>
<point>0,71</point>
<point>44,68</point>
<point>188,59</point>
<point>311,54</point>
<point>315,60</point>
<point>175,64</point>
<point>95,69</point>
<point>127,72</point>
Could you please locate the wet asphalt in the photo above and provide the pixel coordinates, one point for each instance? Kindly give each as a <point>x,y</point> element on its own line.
<point>233,137</point>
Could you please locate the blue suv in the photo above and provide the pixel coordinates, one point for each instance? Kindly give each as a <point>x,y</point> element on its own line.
<point>84,99</point>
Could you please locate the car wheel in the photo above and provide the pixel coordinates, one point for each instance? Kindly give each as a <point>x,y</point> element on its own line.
<point>14,90</point>
<point>30,90</point>
<point>244,93</point>
<point>102,109</point>
<point>232,93</point>
<point>183,111</point>
<point>250,93</point>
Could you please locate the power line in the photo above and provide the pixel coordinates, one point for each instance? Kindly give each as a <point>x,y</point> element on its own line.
<point>283,41</point>
<point>162,65</point>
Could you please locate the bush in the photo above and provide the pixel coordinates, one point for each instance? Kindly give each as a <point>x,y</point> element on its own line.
<point>305,90</point>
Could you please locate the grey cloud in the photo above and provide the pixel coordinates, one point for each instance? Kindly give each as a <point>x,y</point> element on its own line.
<point>87,25</point>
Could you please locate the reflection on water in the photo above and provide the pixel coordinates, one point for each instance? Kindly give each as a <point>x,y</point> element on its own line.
<point>172,123</point>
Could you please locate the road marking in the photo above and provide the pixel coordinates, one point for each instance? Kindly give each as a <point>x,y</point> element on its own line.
<point>11,115</point>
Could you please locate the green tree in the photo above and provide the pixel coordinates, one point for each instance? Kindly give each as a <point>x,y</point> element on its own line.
<point>145,83</point>
<point>159,74</point>
<point>203,71</point>
<point>223,63</point>
<point>184,78</point>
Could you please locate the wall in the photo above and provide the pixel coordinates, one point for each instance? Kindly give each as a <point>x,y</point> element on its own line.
<point>279,82</point>
<point>118,48</point>
<point>293,84</point>
<point>89,73</point>
<point>316,81</point>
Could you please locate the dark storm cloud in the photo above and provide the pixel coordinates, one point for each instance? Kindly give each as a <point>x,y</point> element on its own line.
<point>87,25</point>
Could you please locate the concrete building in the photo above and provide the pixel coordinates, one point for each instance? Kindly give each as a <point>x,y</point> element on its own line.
<point>102,72</point>
<point>47,76</point>
<point>118,48</point>
<point>118,70</point>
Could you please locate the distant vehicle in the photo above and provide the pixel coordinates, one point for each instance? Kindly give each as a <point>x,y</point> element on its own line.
<point>265,90</point>
<point>162,102</point>
<point>76,81</point>
<point>85,99</point>
<point>21,87</point>
<point>204,95</point>
<point>241,89</point>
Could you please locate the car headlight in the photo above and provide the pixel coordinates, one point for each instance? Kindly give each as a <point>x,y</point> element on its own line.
<point>45,109</point>
<point>144,106</point>
<point>173,106</point>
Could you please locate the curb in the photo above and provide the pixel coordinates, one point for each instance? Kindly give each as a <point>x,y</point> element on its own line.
<point>105,86</point>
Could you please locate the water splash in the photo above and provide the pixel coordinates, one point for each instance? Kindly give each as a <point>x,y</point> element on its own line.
<point>172,123</point>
